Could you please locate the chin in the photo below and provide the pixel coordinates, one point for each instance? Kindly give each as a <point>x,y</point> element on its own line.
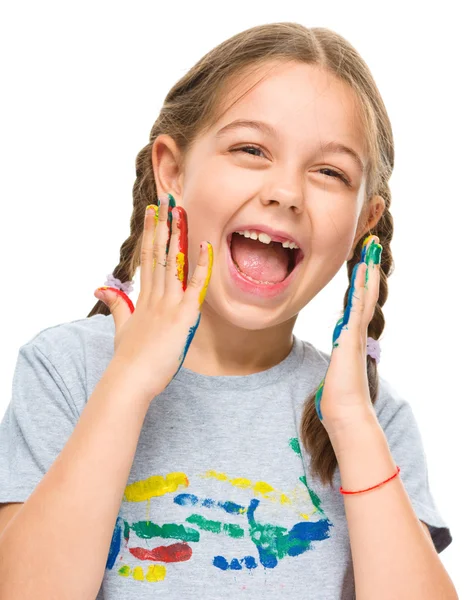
<point>251,317</point>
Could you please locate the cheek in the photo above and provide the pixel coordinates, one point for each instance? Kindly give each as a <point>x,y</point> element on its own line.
<point>213,195</point>
<point>333,233</point>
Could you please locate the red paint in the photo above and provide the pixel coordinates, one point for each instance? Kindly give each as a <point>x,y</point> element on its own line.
<point>262,290</point>
<point>183,242</point>
<point>122,295</point>
<point>179,552</point>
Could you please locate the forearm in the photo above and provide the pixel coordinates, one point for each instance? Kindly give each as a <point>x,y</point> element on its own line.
<point>392,556</point>
<point>57,545</point>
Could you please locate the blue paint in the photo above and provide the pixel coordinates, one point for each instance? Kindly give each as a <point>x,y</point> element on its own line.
<point>171,205</point>
<point>250,562</point>
<point>235,565</point>
<point>336,333</point>
<point>370,255</point>
<point>310,531</point>
<point>191,500</point>
<point>317,399</point>
<point>220,562</point>
<point>232,508</point>
<point>114,545</point>
<point>189,339</point>
<point>186,499</point>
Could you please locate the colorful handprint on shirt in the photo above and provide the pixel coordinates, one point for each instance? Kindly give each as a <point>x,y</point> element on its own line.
<point>272,543</point>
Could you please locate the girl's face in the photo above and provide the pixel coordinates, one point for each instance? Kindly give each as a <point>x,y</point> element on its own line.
<point>286,183</point>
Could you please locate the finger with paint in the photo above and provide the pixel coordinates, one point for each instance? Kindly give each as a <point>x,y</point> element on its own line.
<point>206,256</point>
<point>370,256</point>
<point>152,341</point>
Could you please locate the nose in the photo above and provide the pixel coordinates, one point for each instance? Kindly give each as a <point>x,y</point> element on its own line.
<point>287,196</point>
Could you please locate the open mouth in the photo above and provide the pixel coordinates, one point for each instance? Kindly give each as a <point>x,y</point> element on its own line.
<point>263,263</point>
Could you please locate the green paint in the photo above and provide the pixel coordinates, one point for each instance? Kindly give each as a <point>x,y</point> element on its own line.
<point>372,258</point>
<point>233,530</point>
<point>205,524</point>
<point>171,205</point>
<point>374,252</point>
<point>230,529</point>
<point>172,201</point>
<point>126,530</point>
<point>124,571</point>
<point>147,529</point>
<point>314,497</point>
<point>271,537</point>
<point>275,540</point>
<point>295,445</point>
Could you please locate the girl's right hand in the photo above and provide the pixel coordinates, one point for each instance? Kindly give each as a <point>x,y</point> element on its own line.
<point>152,340</point>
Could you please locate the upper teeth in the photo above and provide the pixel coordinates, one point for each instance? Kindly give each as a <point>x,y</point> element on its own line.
<point>265,238</point>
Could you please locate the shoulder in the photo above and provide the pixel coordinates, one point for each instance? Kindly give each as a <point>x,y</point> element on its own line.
<point>73,354</point>
<point>391,406</point>
<point>62,340</point>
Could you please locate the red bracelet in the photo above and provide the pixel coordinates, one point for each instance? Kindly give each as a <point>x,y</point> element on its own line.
<point>371,488</point>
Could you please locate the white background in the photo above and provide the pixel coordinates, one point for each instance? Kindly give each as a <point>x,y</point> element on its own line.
<point>84,82</point>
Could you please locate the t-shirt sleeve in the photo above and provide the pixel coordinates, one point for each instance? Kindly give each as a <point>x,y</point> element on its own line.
<point>398,421</point>
<point>37,423</point>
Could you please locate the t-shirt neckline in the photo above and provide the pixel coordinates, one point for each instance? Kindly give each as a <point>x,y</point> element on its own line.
<point>287,366</point>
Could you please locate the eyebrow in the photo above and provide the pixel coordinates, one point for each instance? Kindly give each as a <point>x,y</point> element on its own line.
<point>334,147</point>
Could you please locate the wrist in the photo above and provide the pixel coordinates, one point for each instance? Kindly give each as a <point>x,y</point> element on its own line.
<point>353,433</point>
<point>125,378</point>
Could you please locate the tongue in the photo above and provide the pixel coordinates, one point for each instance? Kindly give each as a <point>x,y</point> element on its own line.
<point>263,262</point>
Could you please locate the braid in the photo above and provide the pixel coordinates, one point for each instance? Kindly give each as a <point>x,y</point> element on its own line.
<point>144,193</point>
<point>313,433</point>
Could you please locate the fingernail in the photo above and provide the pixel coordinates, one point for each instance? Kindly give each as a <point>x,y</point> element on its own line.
<point>100,294</point>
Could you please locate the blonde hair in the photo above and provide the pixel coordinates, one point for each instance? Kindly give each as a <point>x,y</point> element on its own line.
<point>190,108</point>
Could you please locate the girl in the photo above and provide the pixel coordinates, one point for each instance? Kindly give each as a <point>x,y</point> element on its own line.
<point>193,447</point>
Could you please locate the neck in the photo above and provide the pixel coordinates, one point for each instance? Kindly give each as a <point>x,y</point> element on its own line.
<point>221,348</point>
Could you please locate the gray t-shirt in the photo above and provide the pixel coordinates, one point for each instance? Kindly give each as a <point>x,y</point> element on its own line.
<point>219,501</point>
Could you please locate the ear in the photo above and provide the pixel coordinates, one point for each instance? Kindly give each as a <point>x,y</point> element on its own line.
<point>369,217</point>
<point>166,159</point>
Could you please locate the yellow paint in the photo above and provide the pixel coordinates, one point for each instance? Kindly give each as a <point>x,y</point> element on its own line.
<point>210,259</point>
<point>298,495</point>
<point>156,209</point>
<point>180,266</point>
<point>124,571</point>
<point>157,213</point>
<point>368,240</point>
<point>156,573</point>
<point>215,475</point>
<point>263,488</point>
<point>241,482</point>
<point>138,574</point>
<point>156,485</point>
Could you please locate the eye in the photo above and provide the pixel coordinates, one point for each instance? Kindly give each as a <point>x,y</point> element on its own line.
<point>243,148</point>
<point>335,174</point>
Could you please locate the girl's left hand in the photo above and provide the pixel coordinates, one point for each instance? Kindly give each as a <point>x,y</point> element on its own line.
<point>343,397</point>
